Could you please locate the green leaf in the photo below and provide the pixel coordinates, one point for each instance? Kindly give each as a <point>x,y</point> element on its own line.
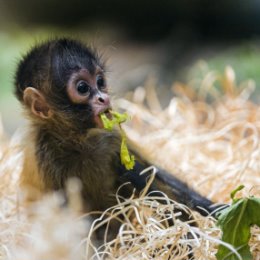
<point>108,124</point>
<point>117,119</point>
<point>120,118</point>
<point>234,192</point>
<point>235,223</point>
<point>126,159</point>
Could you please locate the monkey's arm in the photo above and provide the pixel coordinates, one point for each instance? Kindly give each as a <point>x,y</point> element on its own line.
<point>173,187</point>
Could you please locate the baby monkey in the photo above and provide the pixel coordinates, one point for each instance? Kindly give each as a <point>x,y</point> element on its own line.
<point>62,86</point>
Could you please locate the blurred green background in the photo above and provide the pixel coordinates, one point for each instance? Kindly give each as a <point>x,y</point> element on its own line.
<point>139,39</point>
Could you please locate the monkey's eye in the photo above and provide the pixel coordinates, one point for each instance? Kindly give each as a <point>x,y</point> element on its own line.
<point>83,88</point>
<point>101,82</point>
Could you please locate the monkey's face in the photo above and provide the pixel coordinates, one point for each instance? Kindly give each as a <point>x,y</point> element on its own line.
<point>78,105</point>
<point>73,91</point>
<point>88,95</point>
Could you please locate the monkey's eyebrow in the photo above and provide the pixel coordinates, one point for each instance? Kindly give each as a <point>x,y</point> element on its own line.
<point>82,73</point>
<point>74,76</point>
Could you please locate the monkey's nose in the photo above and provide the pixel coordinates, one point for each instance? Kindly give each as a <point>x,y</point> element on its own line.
<point>103,100</point>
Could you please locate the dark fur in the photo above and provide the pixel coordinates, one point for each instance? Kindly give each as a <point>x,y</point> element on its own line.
<point>69,144</point>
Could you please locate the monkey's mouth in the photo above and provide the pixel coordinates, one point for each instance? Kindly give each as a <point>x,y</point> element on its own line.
<point>107,113</point>
<point>98,120</point>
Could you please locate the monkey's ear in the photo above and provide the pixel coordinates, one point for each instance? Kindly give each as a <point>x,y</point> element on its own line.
<point>36,101</point>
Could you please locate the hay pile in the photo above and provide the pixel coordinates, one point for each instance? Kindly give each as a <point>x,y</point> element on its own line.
<point>208,136</point>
